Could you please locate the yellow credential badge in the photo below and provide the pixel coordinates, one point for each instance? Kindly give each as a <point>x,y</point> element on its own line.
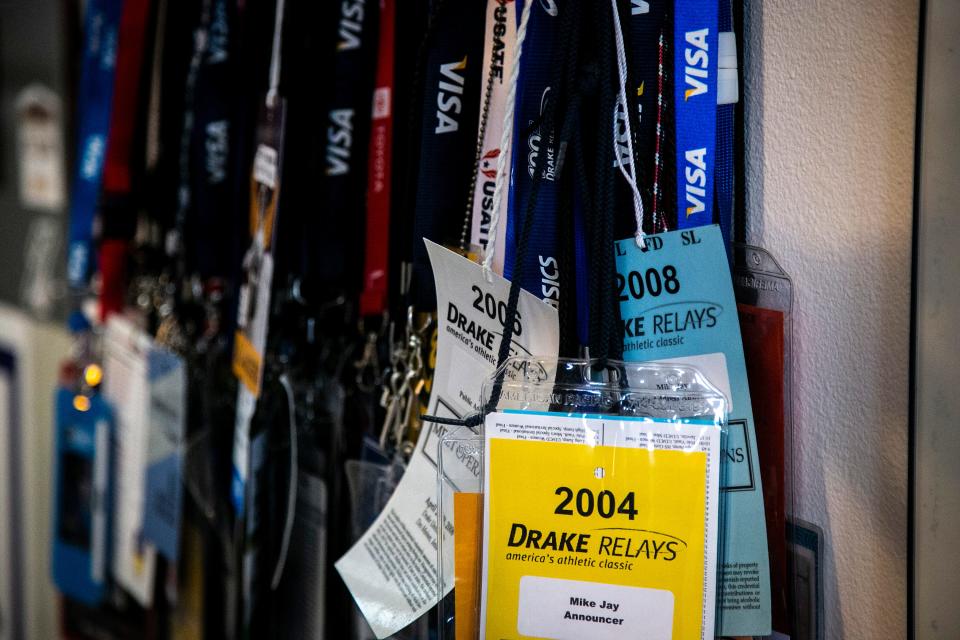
<point>594,541</point>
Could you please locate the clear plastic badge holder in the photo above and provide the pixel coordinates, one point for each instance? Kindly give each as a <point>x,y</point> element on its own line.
<point>565,387</point>
<point>764,296</point>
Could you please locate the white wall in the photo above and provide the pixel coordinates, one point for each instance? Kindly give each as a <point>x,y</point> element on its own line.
<point>830,93</point>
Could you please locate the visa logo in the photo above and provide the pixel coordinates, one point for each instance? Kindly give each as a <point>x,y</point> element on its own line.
<point>339,142</point>
<point>697,57</point>
<point>93,157</point>
<point>351,25</point>
<point>217,146</point>
<point>695,174</point>
<point>448,101</point>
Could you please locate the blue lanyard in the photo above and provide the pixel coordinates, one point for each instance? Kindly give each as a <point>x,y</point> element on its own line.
<point>101,25</point>
<point>695,96</point>
<point>726,122</point>
<point>541,273</point>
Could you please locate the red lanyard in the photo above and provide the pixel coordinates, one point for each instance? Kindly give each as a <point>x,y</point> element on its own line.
<point>133,26</point>
<point>373,300</point>
<point>117,164</point>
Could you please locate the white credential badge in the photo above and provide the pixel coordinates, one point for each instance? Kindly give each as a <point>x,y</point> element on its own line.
<point>392,570</point>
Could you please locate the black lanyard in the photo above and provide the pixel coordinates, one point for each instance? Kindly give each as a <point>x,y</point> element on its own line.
<point>211,181</point>
<point>449,116</point>
<point>336,243</point>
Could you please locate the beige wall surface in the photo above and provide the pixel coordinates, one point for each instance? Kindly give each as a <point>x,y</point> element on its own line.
<point>830,99</point>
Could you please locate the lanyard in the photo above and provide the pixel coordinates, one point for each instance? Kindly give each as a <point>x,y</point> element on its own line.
<point>117,217</point>
<point>373,300</point>
<point>501,36</point>
<point>579,194</point>
<point>253,313</point>
<point>597,171</point>
<point>605,341</point>
<point>95,95</point>
<point>211,180</point>
<point>656,211</point>
<point>581,271</point>
<point>534,139</point>
<point>695,100</point>
<point>175,243</point>
<point>345,133</point>
<point>727,96</point>
<point>642,25</point>
<point>450,112</point>
<point>175,24</point>
<point>126,93</point>
<point>595,248</point>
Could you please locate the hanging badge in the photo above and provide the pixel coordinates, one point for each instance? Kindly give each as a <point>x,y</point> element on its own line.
<point>764,304</point>
<point>677,306</point>
<point>125,386</point>
<point>253,309</point>
<point>599,527</point>
<point>392,570</point>
<point>166,379</point>
<point>84,430</point>
<point>40,149</point>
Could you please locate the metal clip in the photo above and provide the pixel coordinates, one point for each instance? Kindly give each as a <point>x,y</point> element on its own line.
<point>368,366</point>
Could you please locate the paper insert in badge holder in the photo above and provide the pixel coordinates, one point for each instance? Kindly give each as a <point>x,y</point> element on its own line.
<point>664,397</point>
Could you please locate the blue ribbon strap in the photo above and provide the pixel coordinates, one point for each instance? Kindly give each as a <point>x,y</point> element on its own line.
<point>101,25</point>
<point>531,140</point>
<point>695,97</point>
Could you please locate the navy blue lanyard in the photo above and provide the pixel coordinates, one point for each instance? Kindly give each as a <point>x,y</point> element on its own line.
<point>532,139</point>
<point>209,240</point>
<point>101,26</point>
<point>448,134</point>
<point>335,255</point>
<point>189,119</point>
<point>581,271</point>
<point>695,101</point>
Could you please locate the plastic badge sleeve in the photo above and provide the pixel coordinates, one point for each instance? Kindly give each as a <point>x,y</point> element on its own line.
<point>609,439</point>
<point>391,570</point>
<point>764,297</point>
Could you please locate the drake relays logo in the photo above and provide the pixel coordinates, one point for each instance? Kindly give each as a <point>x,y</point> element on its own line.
<point>533,144</point>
